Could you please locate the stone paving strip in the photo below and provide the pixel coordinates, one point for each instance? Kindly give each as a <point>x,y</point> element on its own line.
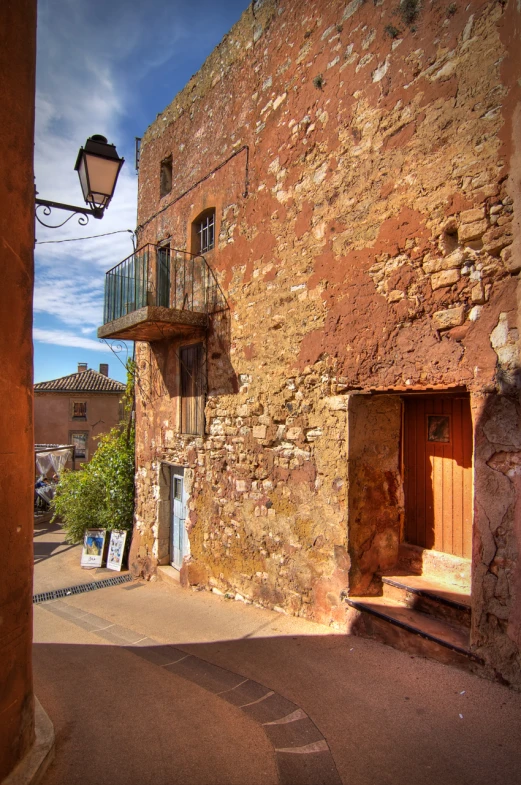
<point>302,753</point>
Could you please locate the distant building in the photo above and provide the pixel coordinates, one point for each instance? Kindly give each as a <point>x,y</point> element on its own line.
<point>77,408</point>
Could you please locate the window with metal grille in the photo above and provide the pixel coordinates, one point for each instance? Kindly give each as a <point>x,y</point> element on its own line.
<point>204,234</point>
<point>192,386</point>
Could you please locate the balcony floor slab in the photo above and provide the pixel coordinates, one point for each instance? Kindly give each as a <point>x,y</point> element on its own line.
<point>154,323</point>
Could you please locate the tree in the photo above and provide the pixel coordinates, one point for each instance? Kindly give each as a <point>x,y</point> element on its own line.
<point>100,495</point>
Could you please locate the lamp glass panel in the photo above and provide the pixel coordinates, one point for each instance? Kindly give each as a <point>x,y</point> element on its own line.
<point>84,180</point>
<point>102,178</point>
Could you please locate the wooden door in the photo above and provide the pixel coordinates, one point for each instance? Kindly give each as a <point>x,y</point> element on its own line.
<point>178,534</point>
<point>438,473</point>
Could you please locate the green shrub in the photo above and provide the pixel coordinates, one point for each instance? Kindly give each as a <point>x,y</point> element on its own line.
<point>100,495</point>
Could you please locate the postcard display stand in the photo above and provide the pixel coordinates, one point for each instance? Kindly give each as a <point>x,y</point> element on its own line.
<point>116,552</point>
<point>93,548</point>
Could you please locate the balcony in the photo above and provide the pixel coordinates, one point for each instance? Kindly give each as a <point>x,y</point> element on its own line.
<point>159,292</point>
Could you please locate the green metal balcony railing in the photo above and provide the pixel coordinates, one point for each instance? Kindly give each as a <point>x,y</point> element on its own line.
<point>161,276</point>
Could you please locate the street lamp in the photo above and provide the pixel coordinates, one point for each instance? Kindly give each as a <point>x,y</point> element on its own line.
<point>98,166</point>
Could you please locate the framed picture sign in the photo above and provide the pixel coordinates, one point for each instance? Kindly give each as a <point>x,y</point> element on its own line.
<point>438,428</point>
<point>93,548</point>
<point>117,544</point>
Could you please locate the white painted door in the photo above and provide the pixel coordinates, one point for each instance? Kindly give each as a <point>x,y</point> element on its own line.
<point>178,533</point>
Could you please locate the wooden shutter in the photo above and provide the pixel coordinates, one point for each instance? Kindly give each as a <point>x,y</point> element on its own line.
<point>192,388</point>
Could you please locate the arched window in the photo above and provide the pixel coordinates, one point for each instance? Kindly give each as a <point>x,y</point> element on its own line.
<point>203,231</point>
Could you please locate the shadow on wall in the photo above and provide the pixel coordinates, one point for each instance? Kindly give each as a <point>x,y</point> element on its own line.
<point>222,379</point>
<point>215,375</point>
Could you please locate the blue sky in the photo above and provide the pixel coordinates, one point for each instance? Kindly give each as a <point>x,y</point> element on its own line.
<point>103,67</point>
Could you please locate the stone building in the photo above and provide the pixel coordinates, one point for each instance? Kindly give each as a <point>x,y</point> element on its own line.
<point>77,408</point>
<point>325,302</point>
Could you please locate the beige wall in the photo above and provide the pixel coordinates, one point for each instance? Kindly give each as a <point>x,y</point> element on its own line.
<point>17,79</point>
<point>53,423</point>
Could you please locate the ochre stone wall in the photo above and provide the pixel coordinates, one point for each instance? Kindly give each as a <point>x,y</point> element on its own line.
<point>361,158</point>
<point>17,84</point>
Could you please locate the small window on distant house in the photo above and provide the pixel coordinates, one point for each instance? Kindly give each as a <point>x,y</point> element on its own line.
<point>79,410</point>
<point>192,385</point>
<point>203,232</point>
<point>80,441</point>
<point>165,178</point>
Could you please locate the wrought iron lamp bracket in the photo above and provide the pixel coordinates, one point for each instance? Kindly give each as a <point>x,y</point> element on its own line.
<point>83,213</point>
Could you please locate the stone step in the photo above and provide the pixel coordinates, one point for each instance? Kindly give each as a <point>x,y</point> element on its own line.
<point>387,620</point>
<point>166,572</point>
<point>434,598</point>
<point>435,565</point>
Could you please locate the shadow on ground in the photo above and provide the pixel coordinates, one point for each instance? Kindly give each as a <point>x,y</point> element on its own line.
<point>196,714</point>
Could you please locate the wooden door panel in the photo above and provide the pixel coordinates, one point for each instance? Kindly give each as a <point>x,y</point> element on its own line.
<point>178,520</point>
<point>438,473</point>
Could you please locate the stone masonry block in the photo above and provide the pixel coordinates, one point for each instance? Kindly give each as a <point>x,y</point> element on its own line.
<point>478,294</point>
<point>452,261</point>
<point>337,402</point>
<point>445,278</point>
<point>453,317</point>
<point>472,231</point>
<point>512,261</point>
<point>471,216</point>
<point>496,239</point>
<point>259,431</point>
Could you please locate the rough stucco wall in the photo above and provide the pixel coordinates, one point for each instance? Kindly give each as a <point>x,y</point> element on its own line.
<point>376,247</point>
<point>17,71</point>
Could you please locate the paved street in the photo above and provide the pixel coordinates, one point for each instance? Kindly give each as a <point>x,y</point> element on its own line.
<point>149,683</point>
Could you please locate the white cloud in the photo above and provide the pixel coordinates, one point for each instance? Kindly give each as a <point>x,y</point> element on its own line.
<point>74,301</point>
<point>63,338</point>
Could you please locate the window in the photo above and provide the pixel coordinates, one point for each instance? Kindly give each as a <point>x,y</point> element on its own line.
<point>80,439</point>
<point>165,177</point>
<point>203,232</point>
<point>78,410</point>
<point>192,386</point>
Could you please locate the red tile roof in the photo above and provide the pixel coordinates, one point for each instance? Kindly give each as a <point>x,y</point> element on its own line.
<point>85,381</point>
